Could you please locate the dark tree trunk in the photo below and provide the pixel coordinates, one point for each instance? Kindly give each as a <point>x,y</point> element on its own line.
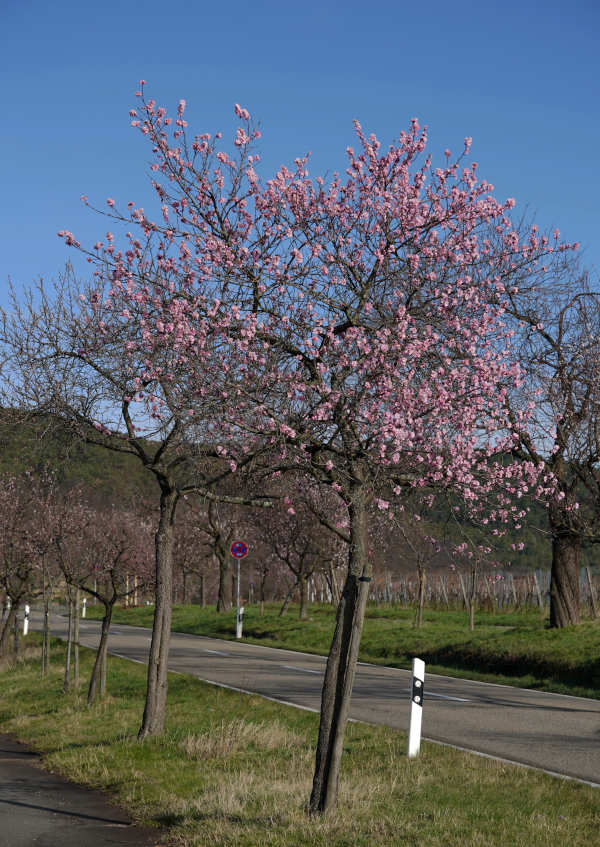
<point>7,629</point>
<point>422,577</point>
<point>263,582</point>
<point>76,641</point>
<point>156,692</point>
<point>564,581</point>
<point>16,637</point>
<point>202,591</point>
<point>335,594</point>
<point>67,680</point>
<point>464,592</point>
<point>46,637</point>
<point>472,593</point>
<point>341,663</point>
<point>98,677</point>
<point>303,613</point>
<point>593,604</point>
<point>287,598</point>
<point>224,598</point>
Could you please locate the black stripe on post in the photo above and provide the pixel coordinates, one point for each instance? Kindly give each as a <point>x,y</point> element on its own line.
<point>418,691</point>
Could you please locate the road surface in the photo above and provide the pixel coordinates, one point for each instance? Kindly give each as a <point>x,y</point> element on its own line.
<point>38,807</point>
<point>553,732</point>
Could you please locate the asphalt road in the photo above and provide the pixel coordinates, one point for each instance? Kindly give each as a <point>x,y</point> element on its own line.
<point>553,732</point>
<point>39,808</point>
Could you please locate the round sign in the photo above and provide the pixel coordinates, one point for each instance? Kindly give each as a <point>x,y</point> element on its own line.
<point>239,550</point>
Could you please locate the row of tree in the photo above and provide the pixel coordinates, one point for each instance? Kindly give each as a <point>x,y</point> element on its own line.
<point>392,339</point>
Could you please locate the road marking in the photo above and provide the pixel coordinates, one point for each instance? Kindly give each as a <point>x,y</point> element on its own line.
<point>218,652</point>
<point>297,668</point>
<point>445,697</point>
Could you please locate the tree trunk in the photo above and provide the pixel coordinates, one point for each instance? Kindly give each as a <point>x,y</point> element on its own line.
<point>564,581</point>
<point>103,671</point>
<point>538,592</point>
<point>263,582</point>
<point>303,613</point>
<point>76,641</point>
<point>16,638</point>
<point>98,677</point>
<point>156,691</point>
<point>464,593</point>
<point>341,663</point>
<point>67,680</point>
<point>593,604</point>
<point>225,579</point>
<point>445,592</point>
<point>472,593</point>
<point>287,598</point>
<point>335,592</point>
<point>7,629</point>
<point>46,637</point>
<point>422,576</point>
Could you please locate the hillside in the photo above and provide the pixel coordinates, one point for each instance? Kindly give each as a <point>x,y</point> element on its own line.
<point>38,443</point>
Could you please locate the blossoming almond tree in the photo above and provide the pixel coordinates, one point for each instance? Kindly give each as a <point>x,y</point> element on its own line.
<point>338,323</point>
<point>357,337</point>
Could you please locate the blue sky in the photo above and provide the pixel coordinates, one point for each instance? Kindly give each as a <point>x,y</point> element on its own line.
<point>521,78</point>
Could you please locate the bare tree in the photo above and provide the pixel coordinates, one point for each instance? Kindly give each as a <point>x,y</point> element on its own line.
<point>557,317</point>
<point>74,355</point>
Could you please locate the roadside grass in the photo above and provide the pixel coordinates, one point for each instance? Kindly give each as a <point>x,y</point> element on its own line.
<point>236,769</point>
<point>512,648</point>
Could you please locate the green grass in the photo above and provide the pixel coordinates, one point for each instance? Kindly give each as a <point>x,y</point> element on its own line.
<point>514,648</point>
<point>233,769</point>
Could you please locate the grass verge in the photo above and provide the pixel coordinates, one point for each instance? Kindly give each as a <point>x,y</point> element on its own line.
<point>236,769</point>
<point>514,648</point>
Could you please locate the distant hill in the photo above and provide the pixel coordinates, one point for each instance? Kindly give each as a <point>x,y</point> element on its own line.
<point>33,444</point>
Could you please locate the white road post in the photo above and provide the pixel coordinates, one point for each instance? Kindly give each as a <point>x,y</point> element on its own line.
<point>416,707</point>
<point>83,605</point>
<point>239,609</point>
<point>26,620</point>
<point>240,622</point>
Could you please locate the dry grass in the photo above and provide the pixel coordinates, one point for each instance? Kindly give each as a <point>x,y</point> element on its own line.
<point>27,653</point>
<point>232,736</point>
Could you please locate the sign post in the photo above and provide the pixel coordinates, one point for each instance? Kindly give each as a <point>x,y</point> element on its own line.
<point>416,707</point>
<point>238,550</point>
<point>83,605</point>
<point>26,620</point>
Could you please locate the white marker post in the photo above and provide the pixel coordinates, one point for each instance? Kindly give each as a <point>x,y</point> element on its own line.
<point>240,621</point>
<point>26,620</point>
<point>416,707</point>
<point>238,550</point>
<point>83,605</point>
